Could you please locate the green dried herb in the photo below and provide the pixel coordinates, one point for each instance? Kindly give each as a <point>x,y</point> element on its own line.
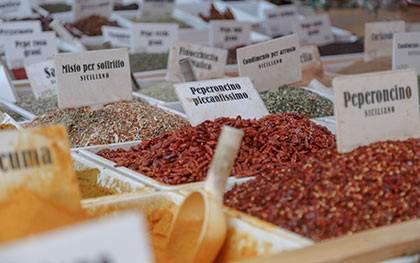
<point>298,100</point>
<point>163,91</point>
<point>56,8</point>
<point>145,62</point>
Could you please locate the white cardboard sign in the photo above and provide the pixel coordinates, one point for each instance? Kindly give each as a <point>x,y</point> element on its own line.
<point>272,63</point>
<point>41,76</point>
<point>211,99</point>
<point>280,20</point>
<point>7,90</point>
<point>314,29</point>
<point>117,36</point>
<point>93,77</point>
<point>32,48</point>
<point>406,51</point>
<point>378,38</point>
<point>229,33</point>
<point>85,8</point>
<point>18,28</point>
<point>155,8</point>
<point>208,62</point>
<point>119,238</point>
<point>376,107</point>
<point>15,9</point>
<point>153,37</point>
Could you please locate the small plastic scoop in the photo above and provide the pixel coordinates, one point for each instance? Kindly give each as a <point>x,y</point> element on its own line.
<point>199,228</point>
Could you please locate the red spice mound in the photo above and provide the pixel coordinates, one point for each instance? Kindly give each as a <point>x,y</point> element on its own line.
<point>92,25</point>
<point>331,194</point>
<point>184,156</point>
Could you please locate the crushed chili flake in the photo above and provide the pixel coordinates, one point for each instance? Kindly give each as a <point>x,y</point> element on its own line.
<point>184,156</point>
<point>114,123</point>
<point>330,194</point>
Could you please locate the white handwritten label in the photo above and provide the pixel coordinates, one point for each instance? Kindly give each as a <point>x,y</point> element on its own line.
<point>208,62</point>
<point>7,90</point>
<point>211,99</point>
<point>280,20</point>
<point>376,107</point>
<point>406,51</point>
<point>32,48</point>
<point>85,8</point>
<point>93,77</point>
<point>15,9</point>
<point>41,76</point>
<point>272,63</point>
<point>314,29</point>
<point>117,36</point>
<point>229,33</point>
<point>150,9</point>
<point>40,155</point>
<point>18,28</point>
<point>118,238</point>
<point>378,38</point>
<point>153,37</point>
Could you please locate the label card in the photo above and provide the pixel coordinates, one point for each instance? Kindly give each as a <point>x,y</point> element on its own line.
<point>117,36</point>
<point>211,99</point>
<point>153,37</point>
<point>93,77</point>
<point>38,160</point>
<point>378,38</point>
<point>315,29</point>
<point>15,9</point>
<point>41,75</point>
<point>311,63</point>
<point>7,90</point>
<point>118,238</point>
<point>406,51</point>
<point>280,20</point>
<point>150,9</point>
<point>18,28</point>
<point>376,107</point>
<point>208,62</point>
<point>272,63</point>
<point>85,8</point>
<point>32,48</point>
<point>229,34</point>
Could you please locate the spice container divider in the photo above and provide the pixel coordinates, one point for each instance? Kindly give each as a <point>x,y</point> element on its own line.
<point>107,178</point>
<point>244,238</point>
<point>24,113</point>
<point>90,152</point>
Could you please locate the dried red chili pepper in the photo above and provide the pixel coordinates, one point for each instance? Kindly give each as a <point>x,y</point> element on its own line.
<point>330,194</point>
<point>184,156</point>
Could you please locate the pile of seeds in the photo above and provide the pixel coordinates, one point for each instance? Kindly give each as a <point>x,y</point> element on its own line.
<point>184,156</point>
<point>163,91</point>
<point>298,100</point>
<point>330,194</point>
<point>37,106</point>
<point>144,61</point>
<point>92,25</point>
<point>12,114</point>
<point>114,123</point>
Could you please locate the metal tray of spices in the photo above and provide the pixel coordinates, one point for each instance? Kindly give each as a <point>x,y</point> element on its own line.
<point>90,152</point>
<point>244,238</point>
<point>96,180</point>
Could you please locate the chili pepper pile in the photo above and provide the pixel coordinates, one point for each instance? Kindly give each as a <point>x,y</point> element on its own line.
<point>330,194</point>
<point>298,100</point>
<point>184,156</point>
<point>92,25</point>
<point>114,123</point>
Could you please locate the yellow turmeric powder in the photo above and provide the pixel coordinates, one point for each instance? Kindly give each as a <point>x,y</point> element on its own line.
<point>25,213</point>
<point>7,127</point>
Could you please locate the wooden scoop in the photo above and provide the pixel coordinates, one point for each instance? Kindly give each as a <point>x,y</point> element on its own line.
<point>199,228</point>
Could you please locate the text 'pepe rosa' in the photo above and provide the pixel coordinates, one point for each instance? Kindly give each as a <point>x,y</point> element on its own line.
<point>376,107</point>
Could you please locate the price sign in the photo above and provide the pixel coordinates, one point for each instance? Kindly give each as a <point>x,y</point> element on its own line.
<point>117,36</point>
<point>376,107</point>
<point>314,29</point>
<point>85,8</point>
<point>120,238</point>
<point>272,63</point>
<point>378,38</point>
<point>229,33</point>
<point>15,9</point>
<point>42,78</point>
<point>18,28</point>
<point>38,160</point>
<point>7,90</point>
<point>93,77</point>
<point>153,37</point>
<point>280,20</point>
<point>406,51</point>
<point>150,9</point>
<point>211,99</point>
